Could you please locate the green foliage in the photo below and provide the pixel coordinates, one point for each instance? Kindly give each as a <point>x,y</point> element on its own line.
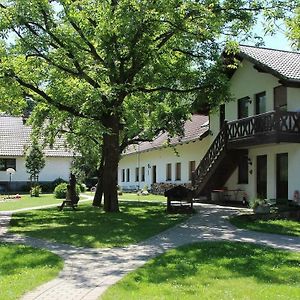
<point>34,160</point>
<point>137,221</point>
<point>82,187</point>
<point>293,24</point>
<point>35,191</point>
<point>255,202</point>
<point>60,190</point>
<point>214,271</point>
<point>24,268</point>
<point>147,65</point>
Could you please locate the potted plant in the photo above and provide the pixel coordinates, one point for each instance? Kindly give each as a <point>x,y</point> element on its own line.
<point>260,206</point>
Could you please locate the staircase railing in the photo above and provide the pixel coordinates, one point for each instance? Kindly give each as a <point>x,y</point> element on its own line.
<point>214,151</point>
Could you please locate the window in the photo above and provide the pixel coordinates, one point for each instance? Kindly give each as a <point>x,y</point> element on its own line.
<point>128,175</point>
<point>192,167</point>
<point>6,163</point>
<point>178,171</point>
<point>260,103</point>
<point>137,177</point>
<point>169,172</point>
<point>143,174</point>
<point>280,98</point>
<point>153,174</point>
<point>123,175</point>
<point>243,170</point>
<point>243,107</point>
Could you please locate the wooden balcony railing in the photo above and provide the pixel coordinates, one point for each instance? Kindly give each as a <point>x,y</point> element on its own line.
<point>270,122</point>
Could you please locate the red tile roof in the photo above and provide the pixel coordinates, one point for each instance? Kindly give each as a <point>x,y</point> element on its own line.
<point>194,129</point>
<point>15,138</point>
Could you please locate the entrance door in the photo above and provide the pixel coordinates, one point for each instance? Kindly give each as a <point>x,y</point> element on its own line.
<point>153,174</point>
<point>261,176</point>
<point>282,176</point>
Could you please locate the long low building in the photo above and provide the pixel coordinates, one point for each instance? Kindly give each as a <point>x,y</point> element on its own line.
<point>14,141</point>
<point>165,162</point>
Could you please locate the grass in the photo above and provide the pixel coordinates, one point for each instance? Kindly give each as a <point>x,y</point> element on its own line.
<point>280,226</point>
<point>27,201</point>
<point>23,268</point>
<point>214,270</point>
<point>91,227</point>
<point>135,197</point>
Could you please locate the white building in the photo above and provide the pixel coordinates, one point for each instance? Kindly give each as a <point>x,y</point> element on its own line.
<point>257,152</point>
<point>14,140</point>
<point>263,121</point>
<point>155,162</point>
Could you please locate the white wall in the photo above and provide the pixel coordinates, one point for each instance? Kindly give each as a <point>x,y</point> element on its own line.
<point>160,158</point>
<point>293,151</point>
<point>55,167</point>
<point>247,81</point>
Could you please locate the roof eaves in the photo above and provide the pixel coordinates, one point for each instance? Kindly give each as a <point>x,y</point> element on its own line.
<point>262,67</point>
<point>202,136</point>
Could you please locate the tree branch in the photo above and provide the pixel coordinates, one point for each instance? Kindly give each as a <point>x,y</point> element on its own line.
<point>51,101</point>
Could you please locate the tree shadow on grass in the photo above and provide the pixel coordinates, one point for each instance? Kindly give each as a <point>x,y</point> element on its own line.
<point>14,259</point>
<point>279,226</point>
<point>90,227</point>
<point>222,260</point>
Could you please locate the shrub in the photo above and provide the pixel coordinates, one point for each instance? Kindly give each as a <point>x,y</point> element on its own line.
<point>60,192</point>
<point>254,203</point>
<point>82,187</point>
<point>35,191</point>
<point>47,187</point>
<point>57,181</point>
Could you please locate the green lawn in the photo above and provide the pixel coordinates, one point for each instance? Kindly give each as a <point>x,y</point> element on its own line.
<point>214,271</point>
<point>23,268</point>
<point>135,197</point>
<point>150,197</point>
<point>27,201</point>
<point>91,227</point>
<point>282,226</point>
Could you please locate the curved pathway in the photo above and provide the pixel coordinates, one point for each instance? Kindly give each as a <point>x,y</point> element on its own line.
<point>88,272</point>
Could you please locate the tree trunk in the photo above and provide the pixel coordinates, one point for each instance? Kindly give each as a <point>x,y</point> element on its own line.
<point>73,196</point>
<point>97,201</point>
<point>111,161</point>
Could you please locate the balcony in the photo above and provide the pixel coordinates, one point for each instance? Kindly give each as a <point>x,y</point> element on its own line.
<point>271,127</point>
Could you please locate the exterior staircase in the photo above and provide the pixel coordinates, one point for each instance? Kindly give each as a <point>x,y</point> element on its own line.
<point>229,146</point>
<point>216,166</point>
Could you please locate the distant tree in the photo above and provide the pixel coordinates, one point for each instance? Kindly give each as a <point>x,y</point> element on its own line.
<point>34,162</point>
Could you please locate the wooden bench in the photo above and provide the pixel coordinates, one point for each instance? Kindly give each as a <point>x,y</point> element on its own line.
<point>67,203</point>
<point>179,199</point>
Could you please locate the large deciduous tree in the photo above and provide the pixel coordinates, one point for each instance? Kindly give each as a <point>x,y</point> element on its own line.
<point>128,68</point>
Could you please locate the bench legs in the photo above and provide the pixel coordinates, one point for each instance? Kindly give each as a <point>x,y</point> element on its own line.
<point>66,203</point>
